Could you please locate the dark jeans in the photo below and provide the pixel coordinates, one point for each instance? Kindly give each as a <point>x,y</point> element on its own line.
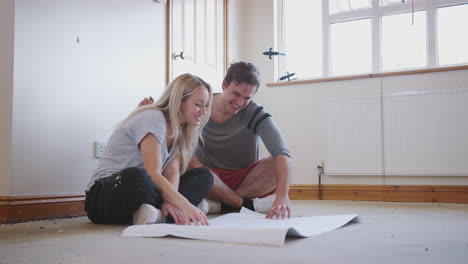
<point>113,199</point>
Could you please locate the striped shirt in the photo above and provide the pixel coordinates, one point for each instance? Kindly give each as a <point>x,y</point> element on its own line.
<point>122,149</point>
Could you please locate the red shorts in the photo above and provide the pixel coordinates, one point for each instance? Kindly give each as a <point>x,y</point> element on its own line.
<point>234,178</point>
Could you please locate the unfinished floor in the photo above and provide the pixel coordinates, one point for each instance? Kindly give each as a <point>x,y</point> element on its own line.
<point>388,233</point>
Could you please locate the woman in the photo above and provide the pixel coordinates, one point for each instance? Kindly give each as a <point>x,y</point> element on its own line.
<point>138,177</point>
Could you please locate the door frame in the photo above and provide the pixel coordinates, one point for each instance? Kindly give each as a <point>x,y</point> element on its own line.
<point>169,50</point>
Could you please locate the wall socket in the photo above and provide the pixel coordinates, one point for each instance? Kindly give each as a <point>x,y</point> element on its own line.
<point>99,148</point>
<point>320,163</point>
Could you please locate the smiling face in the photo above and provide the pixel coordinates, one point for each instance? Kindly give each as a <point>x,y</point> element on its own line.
<point>237,96</point>
<point>195,106</point>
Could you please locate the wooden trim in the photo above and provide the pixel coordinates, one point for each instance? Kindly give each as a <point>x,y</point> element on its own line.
<point>387,193</point>
<point>37,207</point>
<point>3,215</point>
<point>303,192</point>
<point>371,75</point>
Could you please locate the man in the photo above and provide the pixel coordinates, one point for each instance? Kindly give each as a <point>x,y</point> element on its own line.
<point>230,149</point>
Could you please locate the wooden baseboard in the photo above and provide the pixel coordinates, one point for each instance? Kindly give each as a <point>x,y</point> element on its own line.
<point>387,193</point>
<point>15,209</point>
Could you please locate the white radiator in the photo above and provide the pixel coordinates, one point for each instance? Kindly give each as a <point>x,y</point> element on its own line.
<point>424,133</point>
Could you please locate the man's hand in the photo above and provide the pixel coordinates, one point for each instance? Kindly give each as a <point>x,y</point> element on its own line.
<point>146,101</point>
<point>280,209</point>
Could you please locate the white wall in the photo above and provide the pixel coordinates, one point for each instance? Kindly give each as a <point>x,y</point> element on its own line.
<point>65,93</point>
<point>7,8</point>
<point>298,109</point>
<point>79,68</point>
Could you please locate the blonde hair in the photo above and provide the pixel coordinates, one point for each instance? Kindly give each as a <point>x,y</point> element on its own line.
<point>185,135</point>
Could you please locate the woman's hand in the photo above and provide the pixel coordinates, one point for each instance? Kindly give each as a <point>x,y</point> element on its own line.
<point>193,215</point>
<point>169,209</point>
<point>188,216</point>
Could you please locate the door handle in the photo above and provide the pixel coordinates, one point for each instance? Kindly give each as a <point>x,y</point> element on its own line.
<point>180,55</point>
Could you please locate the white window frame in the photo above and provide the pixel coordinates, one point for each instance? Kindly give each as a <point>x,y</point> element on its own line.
<point>375,12</point>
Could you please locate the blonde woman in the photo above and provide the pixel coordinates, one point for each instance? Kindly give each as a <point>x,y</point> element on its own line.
<point>142,176</point>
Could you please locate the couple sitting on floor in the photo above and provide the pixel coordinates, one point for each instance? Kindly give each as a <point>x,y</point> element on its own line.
<point>167,156</point>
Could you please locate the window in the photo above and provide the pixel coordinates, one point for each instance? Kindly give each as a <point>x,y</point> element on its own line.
<point>330,38</point>
<point>351,54</point>
<point>339,6</point>
<point>305,51</point>
<point>453,42</point>
<point>410,51</point>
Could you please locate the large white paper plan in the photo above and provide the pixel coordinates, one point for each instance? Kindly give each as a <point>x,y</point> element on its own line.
<point>246,227</point>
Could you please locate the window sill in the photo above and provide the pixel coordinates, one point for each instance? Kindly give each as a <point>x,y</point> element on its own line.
<point>371,75</point>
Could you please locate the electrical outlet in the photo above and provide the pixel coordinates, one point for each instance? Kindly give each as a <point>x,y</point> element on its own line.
<point>99,148</point>
<point>320,163</point>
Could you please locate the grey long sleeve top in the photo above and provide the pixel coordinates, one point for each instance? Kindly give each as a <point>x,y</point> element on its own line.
<point>235,144</point>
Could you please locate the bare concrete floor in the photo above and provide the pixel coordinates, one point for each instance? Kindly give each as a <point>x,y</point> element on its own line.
<point>388,233</point>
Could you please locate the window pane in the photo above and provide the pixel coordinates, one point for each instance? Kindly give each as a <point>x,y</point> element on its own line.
<point>351,47</point>
<point>453,43</point>
<point>338,6</point>
<point>391,2</point>
<point>357,4</point>
<point>404,44</point>
<point>303,43</point>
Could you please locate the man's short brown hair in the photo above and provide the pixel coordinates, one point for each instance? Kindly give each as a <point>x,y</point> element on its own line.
<point>243,72</point>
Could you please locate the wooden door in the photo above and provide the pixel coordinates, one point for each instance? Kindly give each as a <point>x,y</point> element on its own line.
<point>197,40</point>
